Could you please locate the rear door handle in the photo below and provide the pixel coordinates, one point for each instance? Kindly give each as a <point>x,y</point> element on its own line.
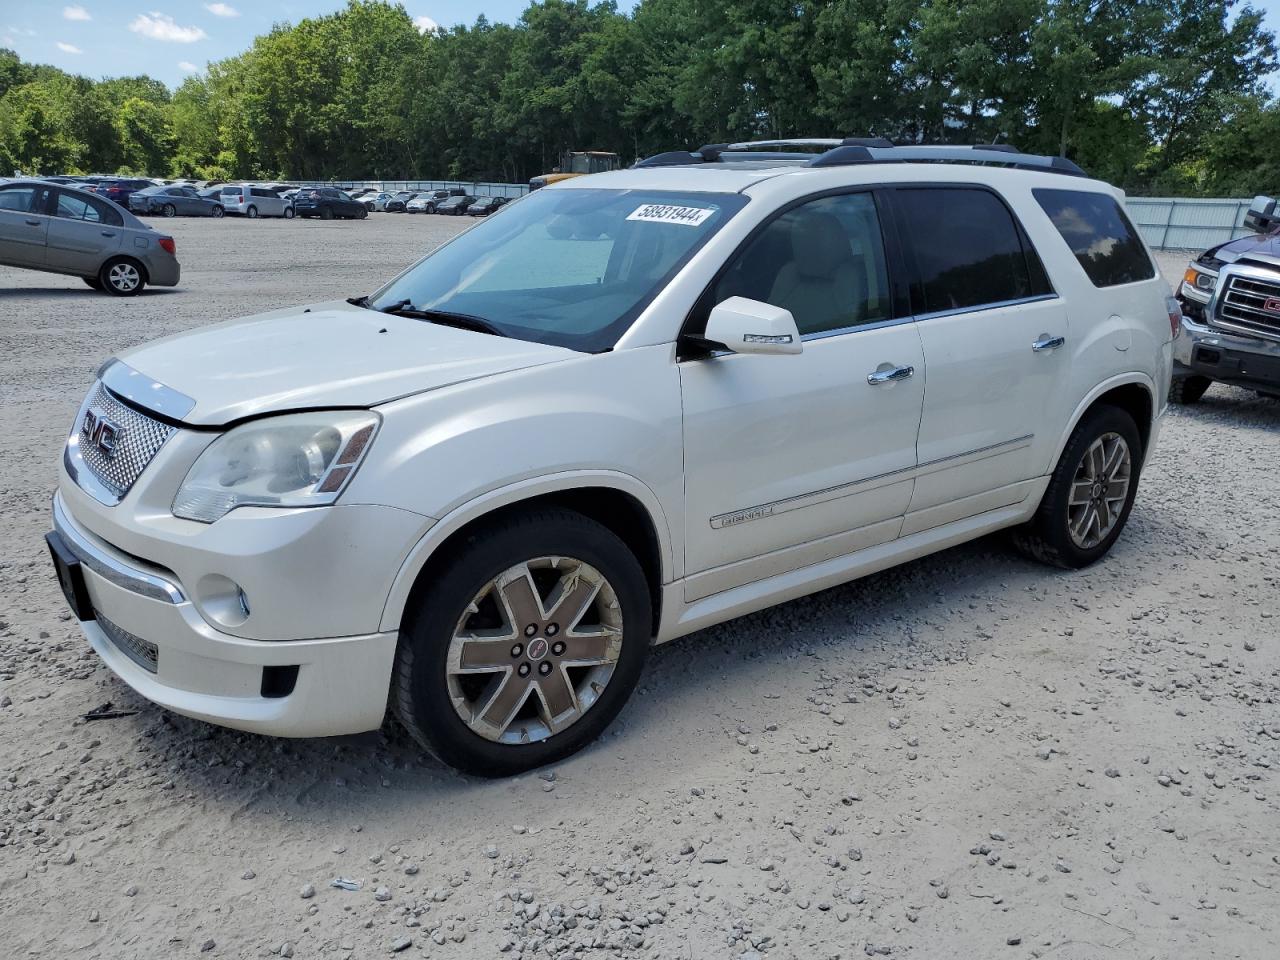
<point>108,233</point>
<point>33,223</point>
<point>889,376</point>
<point>1047,342</point>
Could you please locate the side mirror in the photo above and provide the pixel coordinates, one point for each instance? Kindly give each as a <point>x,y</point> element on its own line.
<point>1262,214</point>
<point>750,326</point>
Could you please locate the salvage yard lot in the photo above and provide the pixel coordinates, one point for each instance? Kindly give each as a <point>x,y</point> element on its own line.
<point>969,756</point>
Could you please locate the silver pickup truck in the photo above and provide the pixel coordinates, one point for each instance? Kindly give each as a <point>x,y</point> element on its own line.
<point>1230,298</point>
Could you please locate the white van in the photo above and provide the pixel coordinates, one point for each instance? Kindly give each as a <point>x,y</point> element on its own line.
<point>254,201</point>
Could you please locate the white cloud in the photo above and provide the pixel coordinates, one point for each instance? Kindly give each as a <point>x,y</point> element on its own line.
<point>425,24</point>
<point>75,13</point>
<point>187,66</point>
<point>20,31</point>
<point>160,26</point>
<point>68,48</point>
<point>222,10</point>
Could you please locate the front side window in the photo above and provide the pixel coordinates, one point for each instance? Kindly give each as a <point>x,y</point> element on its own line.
<point>824,261</point>
<point>567,267</point>
<point>968,249</point>
<point>1099,234</point>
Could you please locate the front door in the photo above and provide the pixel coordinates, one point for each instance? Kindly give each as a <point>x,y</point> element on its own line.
<point>24,227</point>
<point>992,329</point>
<point>792,460</point>
<point>83,233</point>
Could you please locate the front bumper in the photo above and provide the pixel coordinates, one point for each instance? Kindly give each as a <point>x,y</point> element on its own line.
<point>149,632</point>
<point>1243,361</point>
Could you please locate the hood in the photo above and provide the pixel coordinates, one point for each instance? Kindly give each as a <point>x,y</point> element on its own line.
<point>1265,247</point>
<point>325,355</point>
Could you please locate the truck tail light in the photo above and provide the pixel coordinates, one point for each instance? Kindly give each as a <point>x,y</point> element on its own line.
<point>168,246</point>
<point>1175,317</point>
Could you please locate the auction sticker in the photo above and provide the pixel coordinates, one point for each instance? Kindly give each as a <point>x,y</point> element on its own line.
<point>665,213</point>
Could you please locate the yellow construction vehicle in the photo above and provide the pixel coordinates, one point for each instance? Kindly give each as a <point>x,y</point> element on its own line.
<point>577,163</point>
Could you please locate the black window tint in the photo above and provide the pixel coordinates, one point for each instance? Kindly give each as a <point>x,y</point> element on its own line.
<point>107,212</point>
<point>1099,234</point>
<point>824,261</point>
<point>967,248</point>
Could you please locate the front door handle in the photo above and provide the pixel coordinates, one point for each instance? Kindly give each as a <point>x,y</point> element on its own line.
<point>1047,342</point>
<point>890,375</point>
<point>108,233</point>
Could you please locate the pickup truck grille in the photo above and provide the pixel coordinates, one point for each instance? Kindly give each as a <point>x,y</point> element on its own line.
<point>1251,304</point>
<point>137,440</point>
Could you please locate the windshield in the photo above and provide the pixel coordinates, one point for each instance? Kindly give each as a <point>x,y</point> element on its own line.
<point>572,268</point>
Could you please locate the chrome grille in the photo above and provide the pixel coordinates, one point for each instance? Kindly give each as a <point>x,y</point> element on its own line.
<point>143,653</point>
<point>137,440</point>
<point>1251,304</point>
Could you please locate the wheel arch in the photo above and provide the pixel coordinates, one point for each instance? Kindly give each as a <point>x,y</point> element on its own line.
<point>1134,393</point>
<point>617,501</point>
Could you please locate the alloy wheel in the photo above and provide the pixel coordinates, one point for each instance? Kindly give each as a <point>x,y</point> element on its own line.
<point>534,650</point>
<point>1099,490</point>
<point>124,277</point>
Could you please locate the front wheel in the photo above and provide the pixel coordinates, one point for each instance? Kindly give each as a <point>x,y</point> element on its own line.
<point>170,210</point>
<point>326,213</point>
<point>1090,493</point>
<point>1189,389</point>
<point>364,214</point>
<point>524,647</point>
<point>217,213</point>
<point>288,213</point>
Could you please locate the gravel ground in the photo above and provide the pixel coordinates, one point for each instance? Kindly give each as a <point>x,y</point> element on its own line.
<point>969,756</point>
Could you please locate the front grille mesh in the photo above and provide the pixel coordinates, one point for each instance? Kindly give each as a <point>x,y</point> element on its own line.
<point>142,652</point>
<point>1242,305</point>
<point>139,439</point>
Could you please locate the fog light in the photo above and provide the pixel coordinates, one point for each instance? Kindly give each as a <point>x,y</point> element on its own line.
<point>222,600</point>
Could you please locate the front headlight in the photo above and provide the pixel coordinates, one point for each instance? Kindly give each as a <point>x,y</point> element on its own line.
<point>296,460</point>
<point>1198,283</point>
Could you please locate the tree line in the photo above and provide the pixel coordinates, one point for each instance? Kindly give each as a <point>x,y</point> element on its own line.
<point>1157,96</point>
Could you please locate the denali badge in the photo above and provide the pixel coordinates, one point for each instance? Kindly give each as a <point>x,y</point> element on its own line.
<point>1272,305</point>
<point>100,432</point>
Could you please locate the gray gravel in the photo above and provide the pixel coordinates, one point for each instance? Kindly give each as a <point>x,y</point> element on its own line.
<point>853,774</point>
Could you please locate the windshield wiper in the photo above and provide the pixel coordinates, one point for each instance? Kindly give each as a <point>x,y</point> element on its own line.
<point>463,321</point>
<point>359,301</point>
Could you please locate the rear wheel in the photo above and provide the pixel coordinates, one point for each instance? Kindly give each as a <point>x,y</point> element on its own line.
<point>122,277</point>
<point>169,210</point>
<point>1090,494</point>
<point>217,213</point>
<point>525,646</point>
<point>326,213</point>
<point>252,213</point>
<point>1189,389</point>
<point>364,214</point>
<point>288,213</point>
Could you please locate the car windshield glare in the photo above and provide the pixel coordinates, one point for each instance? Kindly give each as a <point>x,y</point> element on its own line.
<point>569,267</point>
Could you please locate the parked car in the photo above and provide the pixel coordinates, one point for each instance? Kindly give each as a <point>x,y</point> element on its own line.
<point>327,203</point>
<point>635,405</point>
<point>253,202</point>
<point>376,201</point>
<point>210,193</point>
<point>455,206</point>
<point>1230,298</point>
<point>119,190</point>
<point>483,206</point>
<point>174,201</point>
<point>58,228</point>
<point>397,203</point>
<point>422,203</point>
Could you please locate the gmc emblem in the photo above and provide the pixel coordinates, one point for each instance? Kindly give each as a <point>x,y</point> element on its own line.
<point>1272,305</point>
<point>100,432</point>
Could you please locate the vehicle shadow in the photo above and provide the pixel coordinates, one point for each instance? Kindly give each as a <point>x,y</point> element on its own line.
<point>857,625</point>
<point>77,292</point>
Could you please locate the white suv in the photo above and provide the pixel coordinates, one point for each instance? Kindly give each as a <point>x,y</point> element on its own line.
<point>634,405</point>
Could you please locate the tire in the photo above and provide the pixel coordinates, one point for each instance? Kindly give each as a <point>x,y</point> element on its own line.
<point>288,213</point>
<point>1049,537</point>
<point>363,215</point>
<point>423,691</point>
<point>122,277</point>
<point>169,210</point>
<point>93,282</point>
<point>251,213</point>
<point>217,213</point>
<point>1188,390</point>
<point>326,213</point>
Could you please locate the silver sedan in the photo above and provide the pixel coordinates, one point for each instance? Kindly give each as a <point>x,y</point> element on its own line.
<point>59,228</point>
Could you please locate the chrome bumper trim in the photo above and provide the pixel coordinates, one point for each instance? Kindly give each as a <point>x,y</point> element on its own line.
<point>110,567</point>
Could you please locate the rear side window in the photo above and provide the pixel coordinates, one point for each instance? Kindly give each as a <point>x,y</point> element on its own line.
<point>969,250</point>
<point>1099,234</point>
<point>76,207</point>
<point>18,199</point>
<point>258,192</point>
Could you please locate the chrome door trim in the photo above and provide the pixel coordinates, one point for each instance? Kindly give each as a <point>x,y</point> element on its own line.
<point>786,505</point>
<point>979,308</point>
<point>109,566</point>
<point>1048,343</point>
<point>140,390</point>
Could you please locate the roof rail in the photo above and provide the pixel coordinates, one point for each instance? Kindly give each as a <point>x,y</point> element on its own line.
<point>857,150</point>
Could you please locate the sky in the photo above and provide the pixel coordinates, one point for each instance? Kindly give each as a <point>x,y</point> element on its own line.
<point>168,40</point>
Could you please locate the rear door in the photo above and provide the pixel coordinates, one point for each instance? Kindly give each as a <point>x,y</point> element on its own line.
<point>83,232</point>
<point>24,225</point>
<point>992,329</point>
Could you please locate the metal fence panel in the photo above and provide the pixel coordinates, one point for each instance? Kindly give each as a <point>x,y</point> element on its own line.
<point>1179,223</point>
